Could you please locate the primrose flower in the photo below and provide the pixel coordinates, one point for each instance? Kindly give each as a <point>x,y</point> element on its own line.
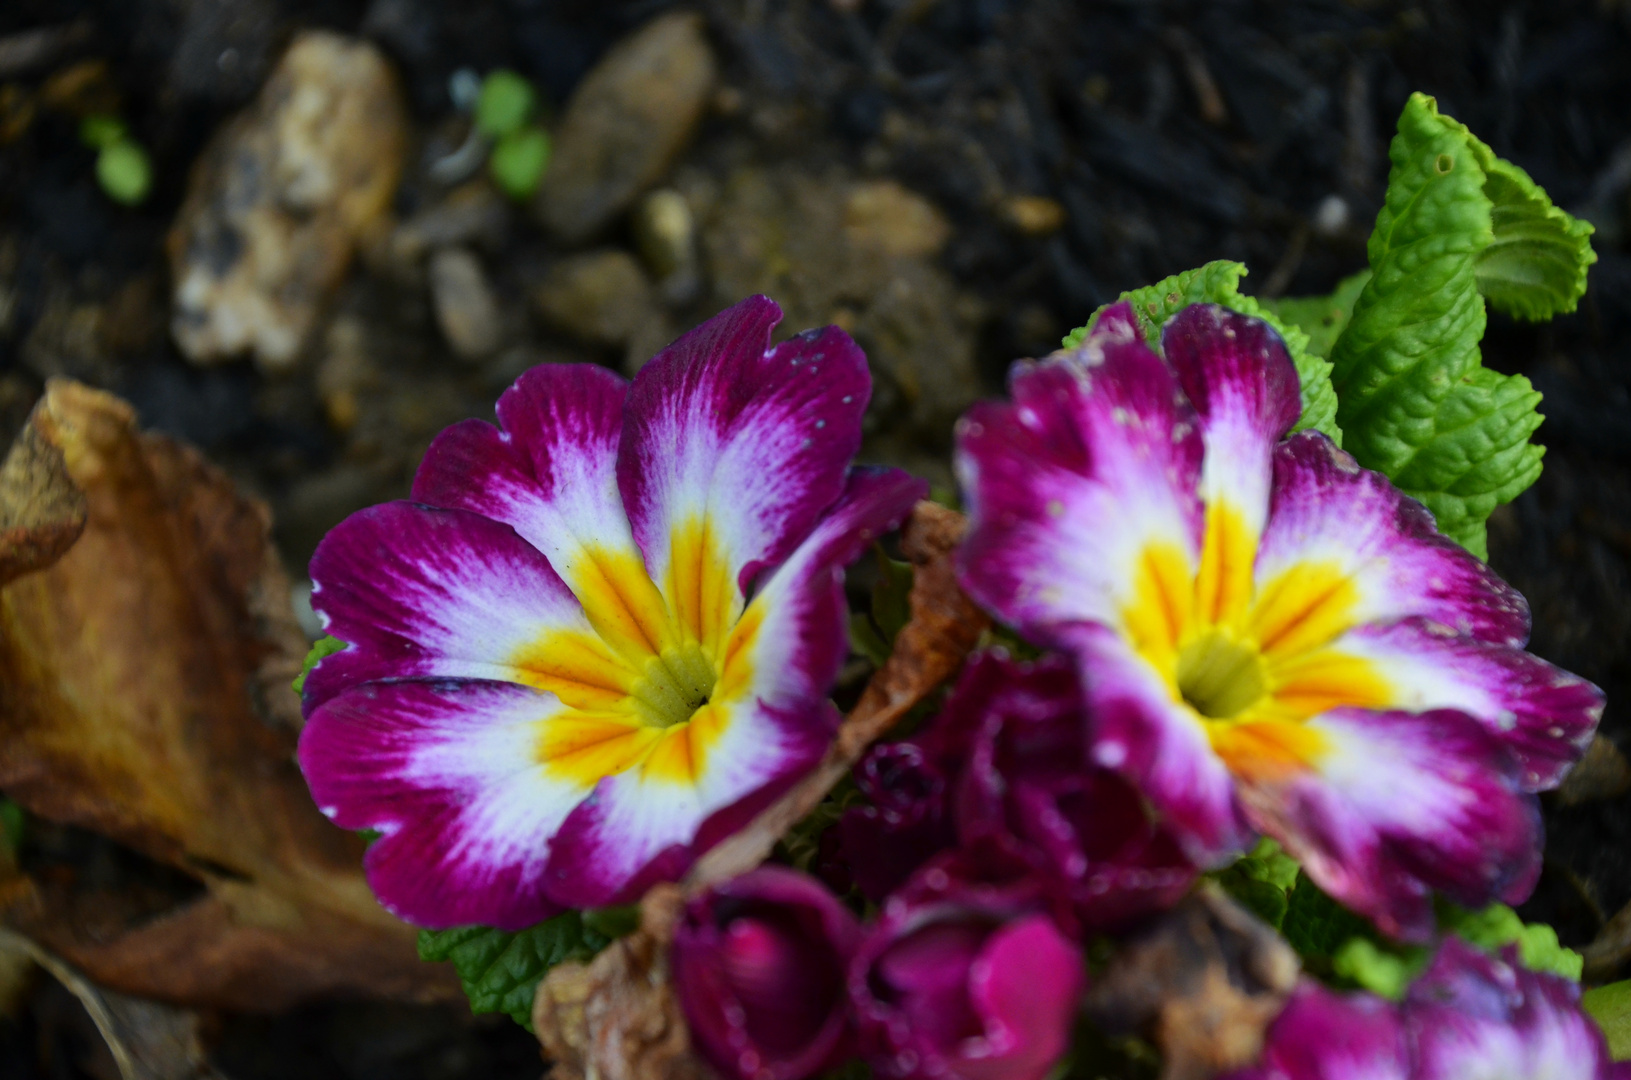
<point>601,636</point>
<point>1270,637</point>
<point>759,966</point>
<point>1470,1015</point>
<point>965,978</point>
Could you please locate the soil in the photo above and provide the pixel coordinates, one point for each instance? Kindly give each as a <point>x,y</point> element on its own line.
<point>1073,149</point>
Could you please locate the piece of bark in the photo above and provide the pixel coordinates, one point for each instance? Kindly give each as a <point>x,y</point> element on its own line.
<point>1203,982</point>
<point>144,694</point>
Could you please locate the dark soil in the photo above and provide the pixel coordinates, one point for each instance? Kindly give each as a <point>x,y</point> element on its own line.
<point>1170,133</point>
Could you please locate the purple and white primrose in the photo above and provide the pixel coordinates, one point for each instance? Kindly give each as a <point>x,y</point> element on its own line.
<point>1270,637</point>
<point>1471,1016</point>
<point>602,635</point>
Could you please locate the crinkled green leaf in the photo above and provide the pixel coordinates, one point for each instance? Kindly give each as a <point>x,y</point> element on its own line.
<point>1414,401</point>
<point>1498,925</point>
<point>1261,881</point>
<point>500,971</point>
<point>1610,1006</point>
<point>1322,318</point>
<point>617,921</point>
<point>1536,266</point>
<point>1377,968</point>
<point>1219,283</point>
<point>323,646</point>
<point>1316,925</point>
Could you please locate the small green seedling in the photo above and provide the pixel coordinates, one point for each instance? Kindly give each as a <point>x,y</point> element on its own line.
<point>505,104</point>
<point>122,167</point>
<point>519,160</point>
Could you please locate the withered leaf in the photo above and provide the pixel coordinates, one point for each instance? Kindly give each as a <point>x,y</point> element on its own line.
<point>144,694</point>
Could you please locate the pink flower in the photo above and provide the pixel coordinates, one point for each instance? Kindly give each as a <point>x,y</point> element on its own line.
<point>1470,1015</point>
<point>603,634</point>
<point>1270,638</point>
<point>759,965</point>
<point>965,978</point>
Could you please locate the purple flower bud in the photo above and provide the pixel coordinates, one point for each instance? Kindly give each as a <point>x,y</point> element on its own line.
<point>759,966</point>
<point>966,979</point>
<point>1028,776</point>
<point>908,822</point>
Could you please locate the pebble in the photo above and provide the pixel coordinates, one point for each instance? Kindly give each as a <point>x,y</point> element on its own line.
<point>665,232</point>
<point>882,214</point>
<point>1034,215</point>
<point>465,307</point>
<point>628,121</point>
<point>600,297</point>
<point>279,200</point>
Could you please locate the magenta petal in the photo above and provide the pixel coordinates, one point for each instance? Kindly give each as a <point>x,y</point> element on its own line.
<point>446,772</point>
<point>423,593</point>
<point>1325,507</point>
<point>1543,714</point>
<point>753,439</point>
<point>1323,1036</point>
<point>759,966</point>
<point>1402,804</point>
<point>1476,1015</point>
<point>1026,984</point>
<point>550,473</point>
<point>1096,456</point>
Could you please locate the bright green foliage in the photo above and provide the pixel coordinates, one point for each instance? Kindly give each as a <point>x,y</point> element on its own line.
<point>505,104</point>
<point>518,162</point>
<point>500,971</point>
<point>1414,401</point>
<point>323,646</point>
<point>1377,968</point>
<point>1322,318</point>
<point>1219,283</point>
<point>1261,881</point>
<point>1610,1006</point>
<point>1498,925</point>
<point>125,172</point>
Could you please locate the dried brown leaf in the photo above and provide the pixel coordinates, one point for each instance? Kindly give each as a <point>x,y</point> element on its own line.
<point>144,694</point>
<point>1203,983</point>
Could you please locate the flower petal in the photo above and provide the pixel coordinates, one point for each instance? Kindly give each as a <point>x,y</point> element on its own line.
<point>551,474</point>
<point>767,723</point>
<point>1476,1015</point>
<point>1545,715</point>
<point>1081,491</point>
<point>423,593</point>
<point>1388,806</point>
<point>1160,745</point>
<point>1026,985</point>
<point>1324,1036</point>
<point>449,773</point>
<point>1343,546</point>
<point>734,447</point>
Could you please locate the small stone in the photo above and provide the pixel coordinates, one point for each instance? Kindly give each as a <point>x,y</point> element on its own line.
<point>627,123</point>
<point>472,213</point>
<point>666,233</point>
<point>346,372</point>
<point>465,308</point>
<point>1602,773</point>
<point>279,200</point>
<point>600,298</point>
<point>1033,215</point>
<point>886,217</point>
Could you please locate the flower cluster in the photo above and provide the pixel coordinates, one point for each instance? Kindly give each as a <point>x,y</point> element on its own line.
<point>1469,1015</point>
<point>601,637</point>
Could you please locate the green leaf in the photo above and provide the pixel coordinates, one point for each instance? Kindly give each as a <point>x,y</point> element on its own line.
<point>891,595</point>
<point>505,104</point>
<point>1316,925</point>
<point>518,162</point>
<point>1458,225</point>
<point>13,824</point>
<point>1376,968</point>
<point>1261,881</point>
<point>613,922</point>
<point>323,646</point>
<point>1498,925</point>
<point>501,971</point>
<point>1322,318</point>
<point>1219,283</point>
<point>1610,1006</point>
<point>1536,266</point>
<point>802,843</point>
<point>102,131</point>
<point>125,172</point>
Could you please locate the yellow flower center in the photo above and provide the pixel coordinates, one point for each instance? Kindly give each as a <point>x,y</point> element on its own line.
<point>653,685</point>
<point>1252,661</point>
